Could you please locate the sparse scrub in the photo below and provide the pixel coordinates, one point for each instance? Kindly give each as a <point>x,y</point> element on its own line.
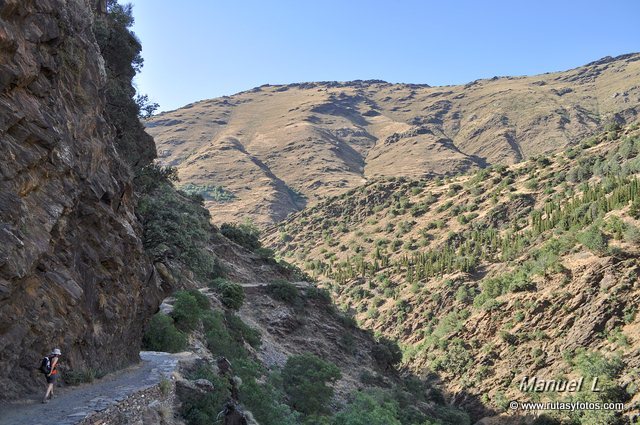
<point>208,192</point>
<point>82,376</point>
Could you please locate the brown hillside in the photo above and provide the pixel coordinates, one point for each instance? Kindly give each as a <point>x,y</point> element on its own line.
<point>484,278</point>
<point>272,150</point>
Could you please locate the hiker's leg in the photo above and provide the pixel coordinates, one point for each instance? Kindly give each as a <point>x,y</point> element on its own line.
<point>46,395</point>
<point>52,383</point>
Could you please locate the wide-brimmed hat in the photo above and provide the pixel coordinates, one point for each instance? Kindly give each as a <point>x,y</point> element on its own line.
<point>56,352</point>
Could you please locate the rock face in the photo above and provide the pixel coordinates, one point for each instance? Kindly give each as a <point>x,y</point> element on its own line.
<point>73,272</point>
<point>277,149</point>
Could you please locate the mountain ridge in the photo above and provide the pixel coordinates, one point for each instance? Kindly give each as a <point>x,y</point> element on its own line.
<point>276,149</point>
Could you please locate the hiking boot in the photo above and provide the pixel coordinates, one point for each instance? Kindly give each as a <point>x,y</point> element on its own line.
<point>45,401</point>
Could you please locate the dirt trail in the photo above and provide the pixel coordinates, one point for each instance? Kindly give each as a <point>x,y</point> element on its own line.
<point>72,404</point>
<point>300,285</point>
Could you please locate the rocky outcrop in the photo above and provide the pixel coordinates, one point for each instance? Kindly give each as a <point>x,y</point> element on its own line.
<point>73,272</point>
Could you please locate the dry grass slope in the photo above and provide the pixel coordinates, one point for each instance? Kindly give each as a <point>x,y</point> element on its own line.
<point>277,149</point>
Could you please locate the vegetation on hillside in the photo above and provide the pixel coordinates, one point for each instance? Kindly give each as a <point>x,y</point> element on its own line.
<point>208,192</point>
<point>177,236</point>
<point>455,268</point>
<point>301,392</point>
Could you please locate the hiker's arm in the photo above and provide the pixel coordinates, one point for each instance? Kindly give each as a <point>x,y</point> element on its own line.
<point>53,365</point>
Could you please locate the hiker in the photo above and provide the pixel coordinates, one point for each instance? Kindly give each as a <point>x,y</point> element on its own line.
<point>49,367</point>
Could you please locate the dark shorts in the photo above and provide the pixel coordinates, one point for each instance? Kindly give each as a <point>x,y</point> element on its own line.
<point>51,379</point>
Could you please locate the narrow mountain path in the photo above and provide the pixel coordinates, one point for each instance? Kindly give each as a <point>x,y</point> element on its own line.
<point>300,285</point>
<point>72,404</point>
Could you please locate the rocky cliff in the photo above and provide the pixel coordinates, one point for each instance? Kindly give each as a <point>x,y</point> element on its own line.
<point>73,272</point>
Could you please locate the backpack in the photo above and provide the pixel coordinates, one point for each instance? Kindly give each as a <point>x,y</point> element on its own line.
<point>45,365</point>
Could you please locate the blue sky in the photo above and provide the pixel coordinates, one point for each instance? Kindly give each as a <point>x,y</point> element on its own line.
<point>199,49</point>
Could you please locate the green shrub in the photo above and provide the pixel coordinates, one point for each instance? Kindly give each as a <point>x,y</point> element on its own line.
<point>531,184</point>
<point>164,386</point>
<point>465,294</point>
<point>367,410</point>
<point>153,175</point>
<point>120,49</point>
<point>266,402</point>
<point>219,340</point>
<point>186,311</point>
<point>634,210</point>
<point>305,378</point>
<point>615,226</point>
<point>81,376</point>
<point>594,364</point>
<point>231,294</point>
<point>237,327</point>
<point>419,209</point>
<point>265,253</point>
<point>162,335</point>
<point>246,234</point>
<point>202,409</point>
<point>455,360</point>
<point>284,291</point>
<point>607,370</point>
<point>447,415</point>
<point>175,226</point>
<point>496,286</point>
<point>201,299</point>
<point>386,353</point>
<point>632,235</point>
<point>593,239</point>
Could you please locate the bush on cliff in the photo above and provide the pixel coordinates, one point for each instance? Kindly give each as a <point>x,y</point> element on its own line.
<point>386,353</point>
<point>245,234</point>
<point>162,335</point>
<point>175,226</point>
<point>188,309</point>
<point>231,294</point>
<point>121,49</point>
<point>284,291</point>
